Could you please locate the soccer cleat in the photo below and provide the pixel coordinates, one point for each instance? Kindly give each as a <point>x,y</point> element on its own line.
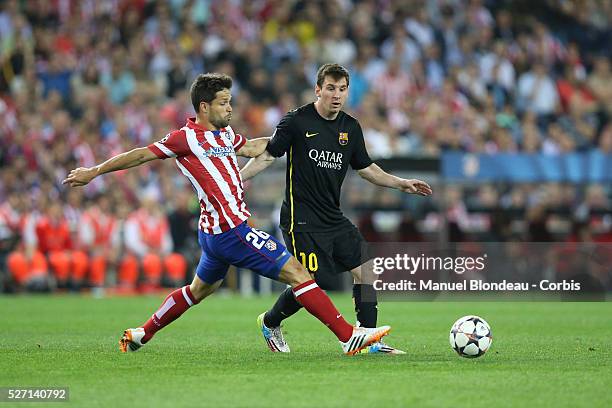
<point>363,337</point>
<point>380,347</point>
<point>273,336</point>
<point>131,340</point>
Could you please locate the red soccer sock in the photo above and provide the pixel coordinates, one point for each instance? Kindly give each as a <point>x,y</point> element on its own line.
<point>318,304</point>
<point>175,304</point>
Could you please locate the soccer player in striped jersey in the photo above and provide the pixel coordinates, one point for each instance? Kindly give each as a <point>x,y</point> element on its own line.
<point>205,150</point>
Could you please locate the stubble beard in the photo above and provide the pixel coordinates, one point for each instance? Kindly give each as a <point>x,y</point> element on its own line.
<point>221,122</point>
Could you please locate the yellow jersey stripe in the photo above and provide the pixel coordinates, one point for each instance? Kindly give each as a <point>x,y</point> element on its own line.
<point>291,197</point>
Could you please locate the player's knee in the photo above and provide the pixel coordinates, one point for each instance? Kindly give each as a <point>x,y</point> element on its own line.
<point>294,273</point>
<point>364,274</point>
<point>356,272</point>
<point>200,289</point>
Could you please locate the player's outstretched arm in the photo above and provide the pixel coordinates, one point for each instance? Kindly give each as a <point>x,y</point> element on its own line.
<point>256,165</point>
<point>253,147</point>
<point>378,176</point>
<point>83,175</point>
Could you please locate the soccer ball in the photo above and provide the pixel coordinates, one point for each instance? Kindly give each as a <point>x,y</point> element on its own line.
<point>471,336</point>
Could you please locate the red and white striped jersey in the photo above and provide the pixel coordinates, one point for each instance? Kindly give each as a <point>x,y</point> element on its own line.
<point>208,159</point>
<point>98,229</point>
<point>148,232</point>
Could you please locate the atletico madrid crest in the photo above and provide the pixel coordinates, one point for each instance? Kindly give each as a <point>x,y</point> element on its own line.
<point>271,245</point>
<point>343,138</point>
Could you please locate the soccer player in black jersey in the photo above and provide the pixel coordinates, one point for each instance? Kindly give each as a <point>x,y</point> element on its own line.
<point>321,141</point>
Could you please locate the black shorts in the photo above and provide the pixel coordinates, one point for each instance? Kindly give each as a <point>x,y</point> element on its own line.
<point>332,252</point>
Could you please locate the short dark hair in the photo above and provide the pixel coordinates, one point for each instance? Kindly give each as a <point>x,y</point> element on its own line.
<point>205,87</point>
<point>335,71</point>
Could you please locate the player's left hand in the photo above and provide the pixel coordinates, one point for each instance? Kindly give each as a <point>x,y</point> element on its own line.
<point>414,186</point>
<point>80,176</point>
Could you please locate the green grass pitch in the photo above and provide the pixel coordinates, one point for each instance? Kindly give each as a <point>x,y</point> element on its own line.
<point>543,354</point>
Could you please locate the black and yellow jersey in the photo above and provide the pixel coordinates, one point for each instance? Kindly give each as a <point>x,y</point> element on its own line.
<point>319,152</point>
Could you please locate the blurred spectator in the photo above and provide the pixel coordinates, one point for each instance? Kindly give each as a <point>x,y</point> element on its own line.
<point>10,218</point>
<point>149,241</point>
<point>399,45</point>
<point>393,86</point>
<point>605,141</point>
<point>537,218</point>
<point>99,235</point>
<point>537,92</point>
<point>573,92</point>
<point>56,76</point>
<point>183,220</point>
<point>27,265</point>
<point>119,82</point>
<point>600,84</point>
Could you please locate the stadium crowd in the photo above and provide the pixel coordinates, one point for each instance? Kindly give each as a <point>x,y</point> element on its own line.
<point>83,80</point>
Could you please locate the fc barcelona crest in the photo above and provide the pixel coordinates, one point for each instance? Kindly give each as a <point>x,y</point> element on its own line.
<point>343,138</point>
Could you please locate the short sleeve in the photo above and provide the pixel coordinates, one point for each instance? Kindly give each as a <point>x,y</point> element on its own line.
<point>174,144</point>
<point>282,138</point>
<point>237,139</point>
<point>360,158</point>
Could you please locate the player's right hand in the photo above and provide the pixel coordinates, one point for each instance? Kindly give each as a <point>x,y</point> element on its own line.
<point>80,176</point>
<point>414,186</point>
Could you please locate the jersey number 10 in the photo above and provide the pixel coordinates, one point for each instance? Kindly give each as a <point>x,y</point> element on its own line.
<point>310,262</point>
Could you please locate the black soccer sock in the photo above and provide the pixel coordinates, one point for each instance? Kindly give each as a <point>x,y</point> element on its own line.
<point>366,305</point>
<point>285,306</point>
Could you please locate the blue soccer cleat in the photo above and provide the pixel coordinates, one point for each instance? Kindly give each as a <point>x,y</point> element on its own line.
<point>273,336</point>
<point>380,347</point>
